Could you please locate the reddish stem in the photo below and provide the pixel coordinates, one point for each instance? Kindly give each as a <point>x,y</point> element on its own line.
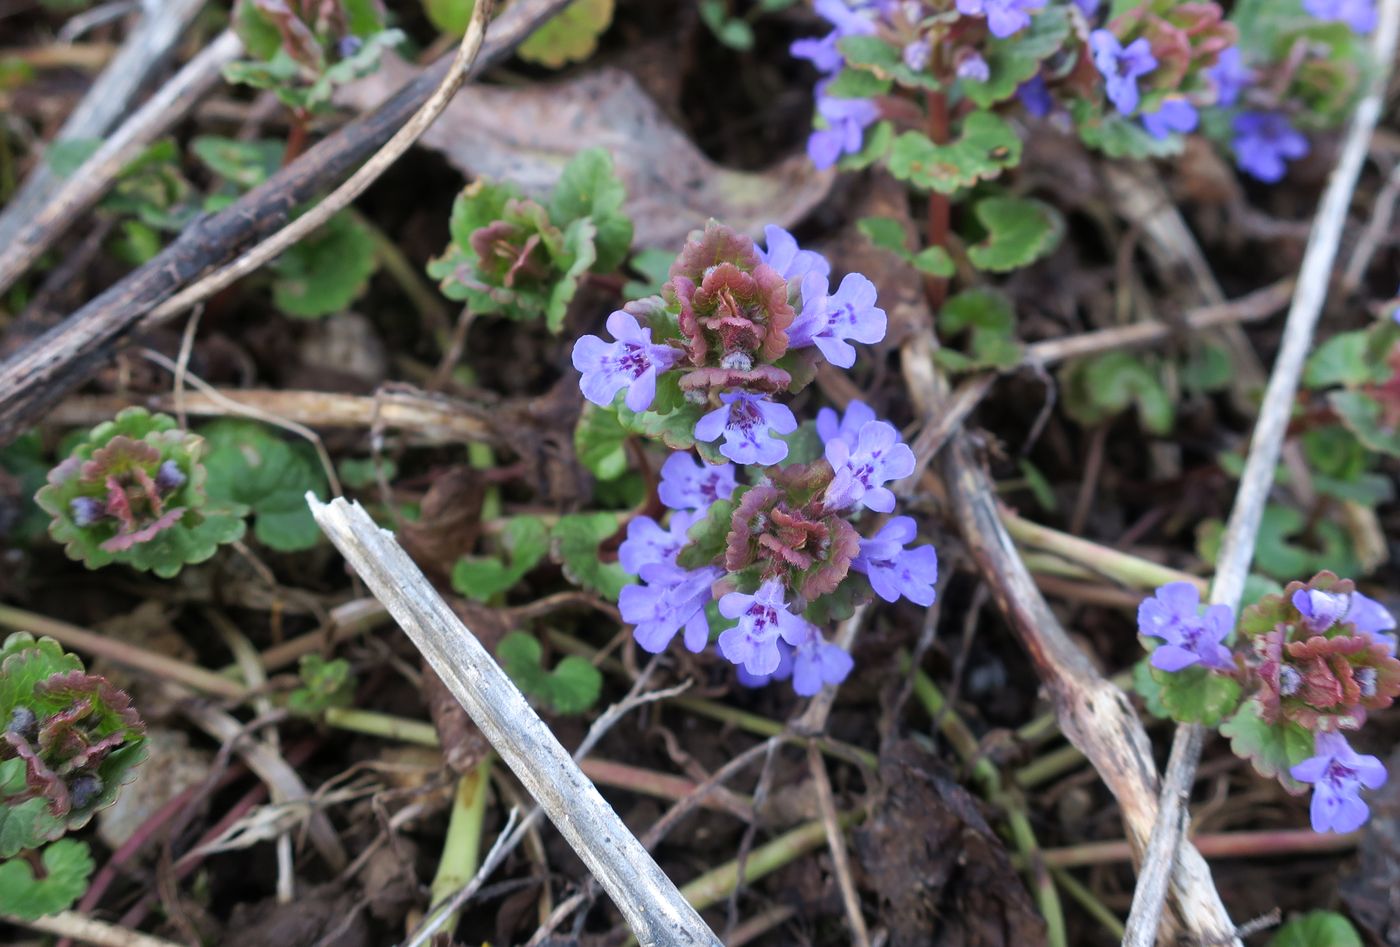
<point>296,137</point>
<point>939,209</point>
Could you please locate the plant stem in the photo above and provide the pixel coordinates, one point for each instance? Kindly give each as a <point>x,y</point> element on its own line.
<point>1088,901</point>
<point>939,209</point>
<point>376,724</point>
<point>461,851</point>
<point>120,652</point>
<point>988,780</point>
<point>1130,570</point>
<point>1213,845</point>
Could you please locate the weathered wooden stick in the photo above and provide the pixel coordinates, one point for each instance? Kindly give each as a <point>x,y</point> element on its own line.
<point>651,904</point>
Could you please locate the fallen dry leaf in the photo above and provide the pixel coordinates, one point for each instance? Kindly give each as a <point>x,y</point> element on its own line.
<point>526,135</point>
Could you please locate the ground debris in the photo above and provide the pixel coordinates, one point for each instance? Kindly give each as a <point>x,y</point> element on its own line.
<point>930,855</point>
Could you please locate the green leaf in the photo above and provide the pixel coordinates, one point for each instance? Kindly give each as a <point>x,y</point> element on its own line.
<point>449,16</point>
<point>676,428</point>
<point>857,84</point>
<point>888,234</point>
<point>873,54</point>
<point>1342,360</point>
<point>22,461</point>
<point>878,140</point>
<point>589,187</point>
<point>524,540</point>
<point>325,272</point>
<point>67,155</point>
<point>67,865</point>
<point>575,540</point>
<point>1117,136</point>
<point>707,534</point>
<point>1271,749</point>
<point>1017,58</point>
<point>243,163</point>
<point>570,36</point>
<point>1317,929</point>
<point>986,146</point>
<point>571,688</point>
<point>249,464</point>
<point>989,316</point>
<point>1101,387</point>
<point>358,472</point>
<point>1039,486</point>
<point>582,253</point>
<point>1019,232</point>
<point>731,31</point>
<point>654,267</point>
<point>1364,417</point>
<point>1194,694</point>
<point>1207,368</point>
<point>324,684</point>
<point>601,442</point>
<point>1147,687</point>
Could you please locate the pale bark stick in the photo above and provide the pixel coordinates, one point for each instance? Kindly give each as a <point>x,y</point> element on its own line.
<point>650,903</point>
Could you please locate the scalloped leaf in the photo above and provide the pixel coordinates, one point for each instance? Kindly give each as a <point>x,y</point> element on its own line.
<point>600,441</point>
<point>1271,749</point>
<point>675,428</point>
<point>1019,232</point>
<point>1363,416</point>
<point>1119,137</point>
<point>571,35</point>
<point>1191,695</point>
<point>589,187</point>
<point>986,146</point>
<point>707,534</point>
<point>875,55</point>
<point>1317,929</point>
<point>324,684</point>
<point>987,315</point>
<point>524,541</point>
<point>67,867</point>
<point>574,542</point>
<point>326,271</point>
<point>1101,387</point>
<point>250,465</point>
<point>1343,360</point>
<point>572,687</point>
<point>888,234</point>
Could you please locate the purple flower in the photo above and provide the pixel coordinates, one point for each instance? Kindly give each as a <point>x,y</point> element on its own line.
<point>823,53</point>
<point>647,542</point>
<point>1121,66</point>
<point>829,321</point>
<point>781,673</point>
<point>785,256</point>
<point>1337,773</point>
<point>846,121</point>
<point>169,477</point>
<point>1173,115</point>
<point>1191,638</point>
<point>816,663</point>
<point>688,484</point>
<point>862,469</point>
<point>763,618</point>
<point>1358,15</point>
<point>893,570</point>
<point>848,426</point>
<point>1371,618</point>
<point>1264,141</point>
<point>632,362</point>
<point>1090,7</point>
<point>1320,610</point>
<point>1034,95</point>
<point>87,510</point>
<point>672,598</point>
<point>917,54</point>
<point>1231,76</point>
<point>746,421</point>
<point>974,68</point>
<point>1004,17</point>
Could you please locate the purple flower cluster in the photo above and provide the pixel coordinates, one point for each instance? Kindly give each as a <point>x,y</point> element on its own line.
<point>788,541</point>
<point>1188,637</point>
<point>843,121</point>
<point>1338,773</point>
<point>1321,610</point>
<point>1265,142</point>
<point>737,317</point>
<point>1004,17</point>
<point>1121,67</point>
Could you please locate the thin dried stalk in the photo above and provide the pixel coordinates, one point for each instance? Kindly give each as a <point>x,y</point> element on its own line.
<point>650,903</point>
